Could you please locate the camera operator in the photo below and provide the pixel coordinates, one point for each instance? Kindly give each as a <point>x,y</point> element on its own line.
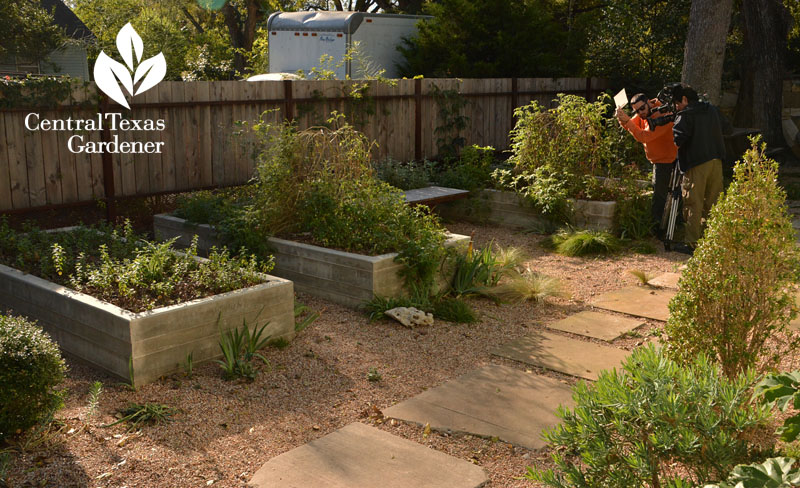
<point>659,147</point>
<point>698,133</point>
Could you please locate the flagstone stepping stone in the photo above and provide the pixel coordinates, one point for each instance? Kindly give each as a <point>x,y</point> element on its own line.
<point>602,326</point>
<point>666,280</point>
<point>639,301</point>
<point>493,401</point>
<point>359,456</point>
<point>563,354</point>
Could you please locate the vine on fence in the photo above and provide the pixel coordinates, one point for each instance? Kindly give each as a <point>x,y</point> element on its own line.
<point>39,91</point>
<point>449,140</point>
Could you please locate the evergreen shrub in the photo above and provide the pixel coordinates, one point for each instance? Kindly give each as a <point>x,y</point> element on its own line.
<point>654,423</point>
<point>739,288</point>
<point>31,368</point>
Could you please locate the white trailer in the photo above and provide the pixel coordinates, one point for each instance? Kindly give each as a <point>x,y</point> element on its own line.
<point>297,40</point>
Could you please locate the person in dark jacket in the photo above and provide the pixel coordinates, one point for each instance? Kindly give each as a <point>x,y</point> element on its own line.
<point>698,133</point>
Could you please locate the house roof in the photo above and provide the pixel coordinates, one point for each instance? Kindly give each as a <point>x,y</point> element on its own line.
<point>64,17</point>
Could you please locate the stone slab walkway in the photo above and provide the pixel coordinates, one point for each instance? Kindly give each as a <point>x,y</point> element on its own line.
<point>666,280</point>
<point>601,326</point>
<point>639,301</point>
<point>563,354</point>
<point>359,456</point>
<point>493,401</point>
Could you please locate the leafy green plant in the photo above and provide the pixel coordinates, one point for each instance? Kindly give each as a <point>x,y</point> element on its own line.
<point>188,365</point>
<point>93,402</point>
<point>654,423</point>
<point>583,242</point>
<point>239,348</point>
<point>472,171</point>
<point>136,415</point>
<point>404,175</point>
<point>303,316</point>
<point>632,217</point>
<point>772,473</point>
<point>453,310</point>
<point>528,286</point>
<point>477,271</point>
<point>738,290</point>
<point>374,375</point>
<point>31,370</point>
<point>782,390</point>
<point>374,308</point>
<point>452,121</point>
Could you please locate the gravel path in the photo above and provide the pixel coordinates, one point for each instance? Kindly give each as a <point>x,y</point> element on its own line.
<point>226,430</point>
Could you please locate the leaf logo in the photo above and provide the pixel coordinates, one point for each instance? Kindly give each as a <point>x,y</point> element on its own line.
<point>109,74</point>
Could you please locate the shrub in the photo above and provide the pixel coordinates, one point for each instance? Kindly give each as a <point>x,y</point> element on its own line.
<point>654,423</point>
<point>31,368</point>
<point>772,473</point>
<point>739,288</point>
<point>472,171</point>
<point>582,242</point>
<point>632,216</point>
<point>404,175</point>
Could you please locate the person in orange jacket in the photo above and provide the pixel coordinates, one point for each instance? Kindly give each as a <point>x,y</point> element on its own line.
<point>659,147</point>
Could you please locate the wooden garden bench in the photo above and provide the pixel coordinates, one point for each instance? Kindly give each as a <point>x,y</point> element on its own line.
<point>433,195</point>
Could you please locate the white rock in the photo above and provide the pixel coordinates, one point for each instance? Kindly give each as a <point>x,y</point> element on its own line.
<point>410,316</point>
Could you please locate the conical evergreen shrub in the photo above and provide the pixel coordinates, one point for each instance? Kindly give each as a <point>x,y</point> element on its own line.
<point>738,289</point>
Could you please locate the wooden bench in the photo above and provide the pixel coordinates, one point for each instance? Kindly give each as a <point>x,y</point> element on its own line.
<point>433,195</point>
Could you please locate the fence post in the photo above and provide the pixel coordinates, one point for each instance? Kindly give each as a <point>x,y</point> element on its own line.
<point>588,88</point>
<point>108,166</point>
<point>289,100</point>
<point>418,119</point>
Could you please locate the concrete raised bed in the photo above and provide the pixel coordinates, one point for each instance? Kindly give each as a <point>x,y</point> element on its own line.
<point>342,277</point>
<point>157,341</point>
<point>507,209</point>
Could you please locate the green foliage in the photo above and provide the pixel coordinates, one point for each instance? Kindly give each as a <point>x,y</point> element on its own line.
<point>29,31</point>
<point>374,375</point>
<point>782,390</point>
<point>493,39</point>
<point>116,265</point>
<point>453,310</point>
<point>39,91</point>
<point>559,153</point>
<point>643,276</point>
<point>632,217</point>
<point>239,348</point>
<point>188,365</point>
<point>772,473</point>
<point>137,415</point>
<point>528,286</point>
<point>405,175</point>
<point>472,171</point>
<point>374,308</point>
<point>451,121</point>
<point>739,288</point>
<point>476,272</point>
<point>583,242</point>
<point>634,42</point>
<point>31,368</point>
<point>303,317</point>
<point>654,423</point>
<point>93,403</point>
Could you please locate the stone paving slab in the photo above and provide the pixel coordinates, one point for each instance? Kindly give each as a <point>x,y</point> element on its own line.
<point>359,456</point>
<point>666,280</point>
<point>493,401</point>
<point>639,301</point>
<point>563,354</point>
<point>602,326</point>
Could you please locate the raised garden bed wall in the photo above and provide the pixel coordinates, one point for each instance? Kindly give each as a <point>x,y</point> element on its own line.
<point>158,341</point>
<point>342,277</point>
<point>507,209</point>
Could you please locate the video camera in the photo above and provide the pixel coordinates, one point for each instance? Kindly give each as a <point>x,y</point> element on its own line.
<point>667,98</point>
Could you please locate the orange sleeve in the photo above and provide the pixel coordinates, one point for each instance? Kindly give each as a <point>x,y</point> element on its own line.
<point>646,135</point>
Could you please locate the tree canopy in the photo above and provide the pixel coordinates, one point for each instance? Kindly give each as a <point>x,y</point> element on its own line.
<point>28,30</point>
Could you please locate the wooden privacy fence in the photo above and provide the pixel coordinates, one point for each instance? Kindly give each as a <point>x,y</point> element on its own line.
<point>201,150</point>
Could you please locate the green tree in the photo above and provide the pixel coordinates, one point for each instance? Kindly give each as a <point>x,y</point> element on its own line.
<point>638,43</point>
<point>28,30</point>
<point>492,38</point>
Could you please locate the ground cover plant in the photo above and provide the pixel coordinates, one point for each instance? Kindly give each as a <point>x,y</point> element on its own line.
<point>739,288</point>
<point>654,423</point>
<point>31,370</point>
<point>116,265</point>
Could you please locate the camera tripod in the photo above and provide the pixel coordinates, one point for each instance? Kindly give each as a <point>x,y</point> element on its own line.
<point>670,217</point>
